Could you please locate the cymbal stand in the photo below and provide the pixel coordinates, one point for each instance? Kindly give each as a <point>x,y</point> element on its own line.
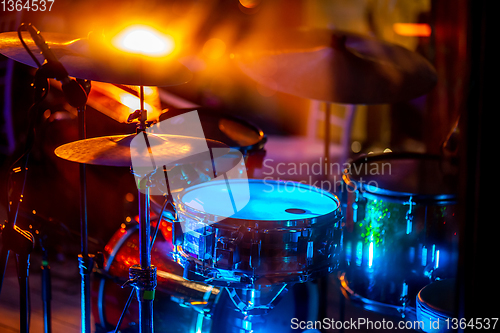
<point>46,285</point>
<point>143,276</point>
<point>84,259</point>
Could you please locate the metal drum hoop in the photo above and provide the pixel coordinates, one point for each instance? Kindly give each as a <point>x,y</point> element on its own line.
<point>370,191</point>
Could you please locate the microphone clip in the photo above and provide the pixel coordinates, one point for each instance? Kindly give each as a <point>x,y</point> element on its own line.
<point>75,94</point>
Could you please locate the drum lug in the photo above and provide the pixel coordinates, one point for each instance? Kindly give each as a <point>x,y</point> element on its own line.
<point>358,208</point>
<point>225,258</point>
<point>255,254</point>
<point>305,245</point>
<point>404,299</point>
<point>177,233</point>
<point>409,216</point>
<point>226,253</point>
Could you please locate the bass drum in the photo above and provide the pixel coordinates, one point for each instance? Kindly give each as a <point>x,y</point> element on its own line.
<point>181,305</point>
<point>401,230</point>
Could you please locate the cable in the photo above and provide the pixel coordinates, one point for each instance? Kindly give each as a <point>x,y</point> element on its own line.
<point>31,131</point>
<point>19,29</point>
<point>167,201</point>
<point>129,300</point>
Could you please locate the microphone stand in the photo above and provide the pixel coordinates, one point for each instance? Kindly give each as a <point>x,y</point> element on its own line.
<point>14,239</point>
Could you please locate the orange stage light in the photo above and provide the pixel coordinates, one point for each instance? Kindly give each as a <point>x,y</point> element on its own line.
<point>412,29</point>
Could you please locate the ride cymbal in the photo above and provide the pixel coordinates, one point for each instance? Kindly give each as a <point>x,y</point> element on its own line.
<point>93,59</point>
<point>124,151</point>
<point>336,66</point>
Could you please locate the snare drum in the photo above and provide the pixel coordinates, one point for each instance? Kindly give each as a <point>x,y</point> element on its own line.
<point>401,228</point>
<point>288,232</point>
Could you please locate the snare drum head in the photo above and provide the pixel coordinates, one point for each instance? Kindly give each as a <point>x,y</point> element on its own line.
<point>403,174</point>
<point>260,200</point>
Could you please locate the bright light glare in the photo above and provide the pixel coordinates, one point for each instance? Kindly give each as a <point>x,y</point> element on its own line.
<point>412,29</point>
<point>133,102</point>
<point>144,40</point>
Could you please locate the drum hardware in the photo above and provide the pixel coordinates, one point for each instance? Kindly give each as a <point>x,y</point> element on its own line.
<point>182,305</point>
<point>435,306</point>
<point>409,216</point>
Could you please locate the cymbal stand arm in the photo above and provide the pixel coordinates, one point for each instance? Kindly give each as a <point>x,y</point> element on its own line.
<point>143,117</point>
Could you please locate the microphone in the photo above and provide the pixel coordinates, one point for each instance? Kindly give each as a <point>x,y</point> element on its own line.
<point>75,94</point>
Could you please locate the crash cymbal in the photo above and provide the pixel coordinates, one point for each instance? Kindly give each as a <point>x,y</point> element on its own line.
<point>336,67</point>
<point>124,151</point>
<point>93,59</point>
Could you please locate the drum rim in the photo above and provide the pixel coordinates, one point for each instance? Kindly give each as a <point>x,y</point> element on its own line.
<point>436,311</point>
<point>395,196</point>
<point>259,145</point>
<point>214,219</point>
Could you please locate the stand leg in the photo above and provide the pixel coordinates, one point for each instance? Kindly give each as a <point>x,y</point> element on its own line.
<point>46,290</point>
<point>85,261</point>
<point>23,264</point>
<point>84,256</point>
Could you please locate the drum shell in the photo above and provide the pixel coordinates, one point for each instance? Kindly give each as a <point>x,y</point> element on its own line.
<point>392,252</point>
<point>263,252</point>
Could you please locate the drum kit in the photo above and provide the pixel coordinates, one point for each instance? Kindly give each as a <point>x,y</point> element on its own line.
<point>397,235</point>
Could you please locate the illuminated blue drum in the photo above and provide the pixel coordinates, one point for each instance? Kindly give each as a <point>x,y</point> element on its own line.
<point>401,230</point>
<point>251,234</point>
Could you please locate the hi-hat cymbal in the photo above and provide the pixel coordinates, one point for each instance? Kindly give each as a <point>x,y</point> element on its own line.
<point>124,151</point>
<point>94,60</point>
<point>336,67</point>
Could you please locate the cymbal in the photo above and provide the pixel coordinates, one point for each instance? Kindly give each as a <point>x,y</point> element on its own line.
<point>336,66</point>
<point>124,151</point>
<point>92,59</point>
